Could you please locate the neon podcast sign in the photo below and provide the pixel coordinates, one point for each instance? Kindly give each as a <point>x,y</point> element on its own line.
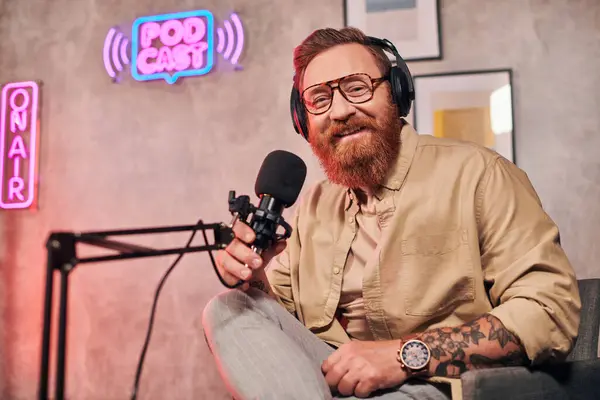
<point>171,46</point>
<point>18,142</point>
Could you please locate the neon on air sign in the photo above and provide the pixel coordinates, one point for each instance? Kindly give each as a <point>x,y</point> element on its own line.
<point>171,46</point>
<point>18,144</point>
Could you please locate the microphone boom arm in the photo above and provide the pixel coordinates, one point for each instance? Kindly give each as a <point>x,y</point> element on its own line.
<point>62,257</point>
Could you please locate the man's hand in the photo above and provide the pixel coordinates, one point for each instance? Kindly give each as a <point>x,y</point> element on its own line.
<point>238,262</point>
<point>359,368</point>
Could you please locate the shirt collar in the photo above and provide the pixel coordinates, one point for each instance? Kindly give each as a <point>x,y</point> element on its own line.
<point>397,174</point>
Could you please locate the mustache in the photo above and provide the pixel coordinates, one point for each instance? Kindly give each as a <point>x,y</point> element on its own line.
<point>339,129</point>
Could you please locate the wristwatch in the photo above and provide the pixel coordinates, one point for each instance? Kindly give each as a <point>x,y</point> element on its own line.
<point>414,356</point>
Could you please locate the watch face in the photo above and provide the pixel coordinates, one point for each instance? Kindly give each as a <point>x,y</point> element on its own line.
<point>415,354</point>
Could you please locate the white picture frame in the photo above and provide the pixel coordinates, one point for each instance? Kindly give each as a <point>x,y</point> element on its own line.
<point>476,106</point>
<point>413,26</point>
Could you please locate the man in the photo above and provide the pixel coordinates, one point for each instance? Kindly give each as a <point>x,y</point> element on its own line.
<point>418,259</point>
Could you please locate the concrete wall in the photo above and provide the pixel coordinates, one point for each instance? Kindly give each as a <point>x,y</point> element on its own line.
<point>144,154</point>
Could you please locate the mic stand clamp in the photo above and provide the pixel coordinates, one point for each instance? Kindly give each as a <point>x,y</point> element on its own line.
<point>240,207</point>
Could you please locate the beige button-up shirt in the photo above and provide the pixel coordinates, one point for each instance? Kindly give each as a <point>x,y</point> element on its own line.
<point>465,235</point>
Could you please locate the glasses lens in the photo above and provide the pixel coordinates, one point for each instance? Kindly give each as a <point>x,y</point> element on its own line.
<point>357,88</point>
<point>318,98</point>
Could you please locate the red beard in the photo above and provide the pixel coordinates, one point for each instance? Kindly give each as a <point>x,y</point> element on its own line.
<point>361,162</point>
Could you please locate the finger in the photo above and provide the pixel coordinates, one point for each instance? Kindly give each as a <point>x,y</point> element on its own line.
<point>273,251</point>
<point>278,247</point>
<point>244,254</point>
<point>229,265</point>
<point>333,359</point>
<point>348,383</point>
<point>363,389</point>
<point>335,374</point>
<point>229,279</point>
<point>243,232</point>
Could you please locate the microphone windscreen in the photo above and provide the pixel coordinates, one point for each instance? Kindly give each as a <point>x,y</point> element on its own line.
<point>281,176</point>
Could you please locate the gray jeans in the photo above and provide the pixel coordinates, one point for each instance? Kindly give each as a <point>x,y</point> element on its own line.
<point>263,352</point>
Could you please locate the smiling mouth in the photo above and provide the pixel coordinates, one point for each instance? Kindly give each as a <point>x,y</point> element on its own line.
<point>350,133</point>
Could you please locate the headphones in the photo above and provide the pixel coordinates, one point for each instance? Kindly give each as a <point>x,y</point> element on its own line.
<point>401,82</point>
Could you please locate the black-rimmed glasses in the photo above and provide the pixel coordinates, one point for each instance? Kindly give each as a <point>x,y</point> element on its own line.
<point>356,88</point>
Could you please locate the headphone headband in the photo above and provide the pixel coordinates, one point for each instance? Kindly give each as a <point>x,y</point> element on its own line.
<point>400,79</point>
<point>385,44</point>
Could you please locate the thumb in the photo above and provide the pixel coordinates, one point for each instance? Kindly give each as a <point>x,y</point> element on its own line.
<point>273,251</point>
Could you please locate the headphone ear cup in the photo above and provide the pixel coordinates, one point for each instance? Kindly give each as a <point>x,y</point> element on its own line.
<point>400,91</point>
<point>293,102</point>
<point>297,112</point>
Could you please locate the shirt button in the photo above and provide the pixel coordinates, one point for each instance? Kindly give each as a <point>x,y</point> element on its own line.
<point>336,270</point>
<point>351,219</point>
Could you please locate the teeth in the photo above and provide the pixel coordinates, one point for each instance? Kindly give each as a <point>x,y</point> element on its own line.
<point>350,133</point>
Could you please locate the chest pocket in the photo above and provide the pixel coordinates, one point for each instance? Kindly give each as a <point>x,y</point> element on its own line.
<point>436,273</point>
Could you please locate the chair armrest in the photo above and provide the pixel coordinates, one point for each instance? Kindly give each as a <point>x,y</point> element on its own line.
<point>586,346</point>
<point>569,380</point>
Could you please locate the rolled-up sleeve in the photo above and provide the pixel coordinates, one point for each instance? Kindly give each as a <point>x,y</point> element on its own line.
<point>533,287</point>
<point>278,274</point>
<point>278,271</point>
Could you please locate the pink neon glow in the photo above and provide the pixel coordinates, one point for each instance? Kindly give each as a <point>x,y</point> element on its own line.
<point>180,55</point>
<point>174,26</point>
<point>198,54</point>
<point>115,52</point>
<point>178,59</point>
<point>143,56</point>
<point>18,115</point>
<point>13,187</point>
<point>149,32</point>
<point>182,46</point>
<point>106,52</point>
<point>165,58</point>
<point>240,38</point>
<point>221,40</point>
<point>194,30</point>
<point>124,52</point>
<point>17,167</point>
<point>18,118</point>
<point>16,184</point>
<point>24,104</point>
<point>17,147</point>
<point>230,36</point>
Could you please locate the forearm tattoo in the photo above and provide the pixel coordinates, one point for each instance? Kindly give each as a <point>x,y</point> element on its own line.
<point>260,285</point>
<point>482,343</point>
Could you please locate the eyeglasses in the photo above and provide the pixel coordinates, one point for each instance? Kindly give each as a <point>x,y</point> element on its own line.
<point>356,88</point>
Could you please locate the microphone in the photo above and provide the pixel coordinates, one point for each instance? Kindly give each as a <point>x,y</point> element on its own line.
<point>278,184</point>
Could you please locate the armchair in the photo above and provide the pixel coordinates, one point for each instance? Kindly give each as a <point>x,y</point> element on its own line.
<point>577,378</point>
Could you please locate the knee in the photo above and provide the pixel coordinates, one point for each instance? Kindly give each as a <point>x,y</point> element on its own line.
<point>223,306</point>
<point>235,308</point>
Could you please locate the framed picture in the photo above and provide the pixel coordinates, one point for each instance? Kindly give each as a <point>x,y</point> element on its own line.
<point>470,105</point>
<point>413,26</point>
